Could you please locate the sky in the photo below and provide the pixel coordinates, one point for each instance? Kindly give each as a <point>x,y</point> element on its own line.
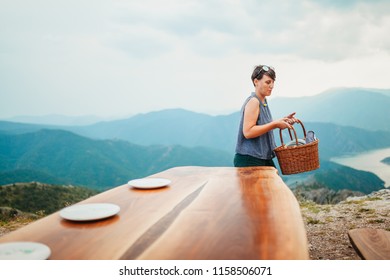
<point>114,58</point>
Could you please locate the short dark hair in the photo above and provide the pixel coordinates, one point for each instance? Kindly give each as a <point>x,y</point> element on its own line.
<point>261,70</point>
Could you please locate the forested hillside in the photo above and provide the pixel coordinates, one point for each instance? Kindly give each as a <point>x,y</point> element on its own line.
<point>41,199</point>
<point>61,157</point>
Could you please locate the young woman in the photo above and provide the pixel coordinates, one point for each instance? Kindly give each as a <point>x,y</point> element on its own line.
<point>255,141</point>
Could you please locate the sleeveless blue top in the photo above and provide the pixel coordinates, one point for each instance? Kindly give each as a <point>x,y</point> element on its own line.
<point>261,147</point>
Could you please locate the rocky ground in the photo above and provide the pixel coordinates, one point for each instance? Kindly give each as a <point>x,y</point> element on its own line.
<point>327,225</point>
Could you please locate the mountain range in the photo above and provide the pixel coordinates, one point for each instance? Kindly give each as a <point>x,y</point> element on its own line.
<point>357,107</point>
<point>109,153</point>
<point>360,108</point>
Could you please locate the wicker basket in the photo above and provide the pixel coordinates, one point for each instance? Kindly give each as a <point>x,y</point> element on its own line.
<point>299,158</point>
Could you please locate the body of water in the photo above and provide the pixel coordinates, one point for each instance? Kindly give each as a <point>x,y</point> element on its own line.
<point>369,161</point>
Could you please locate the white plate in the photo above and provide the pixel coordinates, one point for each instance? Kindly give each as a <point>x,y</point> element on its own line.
<point>24,251</point>
<point>89,211</point>
<point>294,143</point>
<point>149,183</point>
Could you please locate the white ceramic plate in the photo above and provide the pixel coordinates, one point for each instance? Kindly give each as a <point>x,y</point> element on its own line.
<point>294,143</point>
<point>89,211</point>
<point>149,183</point>
<point>24,251</point>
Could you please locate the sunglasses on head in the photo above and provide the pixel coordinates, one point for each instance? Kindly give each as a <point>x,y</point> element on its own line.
<point>265,68</point>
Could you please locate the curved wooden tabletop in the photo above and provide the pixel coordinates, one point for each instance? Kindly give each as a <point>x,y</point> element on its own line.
<point>205,213</point>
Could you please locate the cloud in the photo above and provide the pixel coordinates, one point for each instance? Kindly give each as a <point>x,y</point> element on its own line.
<point>320,30</point>
<point>315,30</point>
<point>141,43</point>
<point>142,55</point>
<point>323,30</point>
<point>206,28</point>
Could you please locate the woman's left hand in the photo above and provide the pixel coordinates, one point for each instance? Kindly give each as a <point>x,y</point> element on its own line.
<point>291,119</point>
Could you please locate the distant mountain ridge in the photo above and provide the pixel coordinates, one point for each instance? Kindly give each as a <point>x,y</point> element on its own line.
<point>365,108</point>
<point>361,108</point>
<point>55,119</point>
<point>169,127</point>
<point>217,133</point>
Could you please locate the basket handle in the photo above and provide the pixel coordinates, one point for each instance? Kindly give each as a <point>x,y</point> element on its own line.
<point>295,133</point>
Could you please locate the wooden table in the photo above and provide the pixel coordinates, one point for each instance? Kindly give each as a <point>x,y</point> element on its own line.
<point>371,243</point>
<point>205,213</point>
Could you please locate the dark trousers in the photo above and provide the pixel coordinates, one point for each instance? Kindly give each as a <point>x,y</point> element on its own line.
<point>246,161</point>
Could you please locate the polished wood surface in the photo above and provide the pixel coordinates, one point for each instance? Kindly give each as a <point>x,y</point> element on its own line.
<point>205,213</point>
<point>371,244</point>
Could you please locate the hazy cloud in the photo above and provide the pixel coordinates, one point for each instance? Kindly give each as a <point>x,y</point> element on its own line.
<point>323,30</point>
<point>62,54</point>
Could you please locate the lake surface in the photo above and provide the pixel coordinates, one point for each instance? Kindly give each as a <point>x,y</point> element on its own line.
<point>369,161</point>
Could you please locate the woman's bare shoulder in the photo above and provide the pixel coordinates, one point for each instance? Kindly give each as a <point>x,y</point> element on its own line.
<point>253,101</point>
